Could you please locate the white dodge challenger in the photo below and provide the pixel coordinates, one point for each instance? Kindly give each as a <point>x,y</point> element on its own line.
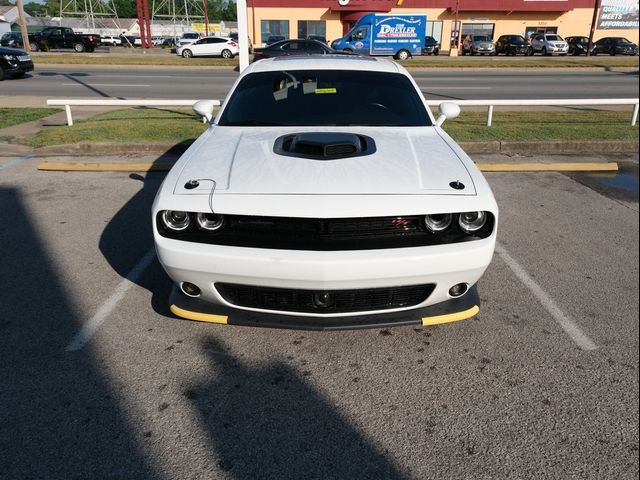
<point>325,195</point>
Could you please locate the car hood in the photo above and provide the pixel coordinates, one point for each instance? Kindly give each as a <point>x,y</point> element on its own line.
<point>414,160</point>
<point>12,51</point>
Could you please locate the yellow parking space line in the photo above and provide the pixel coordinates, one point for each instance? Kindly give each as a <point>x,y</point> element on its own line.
<point>200,317</point>
<point>450,317</point>
<point>549,167</point>
<point>105,166</point>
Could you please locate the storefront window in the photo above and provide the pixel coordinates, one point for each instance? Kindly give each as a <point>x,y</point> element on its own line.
<point>473,29</point>
<point>529,31</point>
<point>434,29</point>
<point>274,27</point>
<point>316,28</point>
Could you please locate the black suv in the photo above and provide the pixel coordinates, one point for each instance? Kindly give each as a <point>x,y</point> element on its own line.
<point>431,46</point>
<point>14,63</point>
<point>615,46</point>
<point>512,45</point>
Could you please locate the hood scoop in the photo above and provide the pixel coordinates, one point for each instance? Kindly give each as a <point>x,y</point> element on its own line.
<point>324,145</point>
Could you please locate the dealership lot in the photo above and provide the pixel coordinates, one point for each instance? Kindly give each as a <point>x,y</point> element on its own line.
<point>100,381</point>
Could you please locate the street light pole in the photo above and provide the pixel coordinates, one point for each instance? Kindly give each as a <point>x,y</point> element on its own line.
<point>23,26</point>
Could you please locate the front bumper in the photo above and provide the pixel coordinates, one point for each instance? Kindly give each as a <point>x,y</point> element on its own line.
<point>452,310</point>
<point>482,50</point>
<point>13,68</point>
<point>559,50</point>
<point>442,266</point>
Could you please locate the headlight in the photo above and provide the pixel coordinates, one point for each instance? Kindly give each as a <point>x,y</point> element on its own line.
<point>438,222</point>
<point>176,220</point>
<point>9,58</point>
<point>209,221</point>
<point>472,221</point>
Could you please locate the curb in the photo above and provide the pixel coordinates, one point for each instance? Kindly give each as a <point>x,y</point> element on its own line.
<point>590,147</point>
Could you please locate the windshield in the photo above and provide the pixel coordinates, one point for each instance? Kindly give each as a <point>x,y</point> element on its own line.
<point>622,40</point>
<point>517,39</point>
<point>481,38</point>
<point>554,38</point>
<point>581,40</point>
<point>325,98</point>
<point>190,35</point>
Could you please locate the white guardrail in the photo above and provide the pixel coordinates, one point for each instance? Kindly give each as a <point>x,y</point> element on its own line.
<point>490,104</point>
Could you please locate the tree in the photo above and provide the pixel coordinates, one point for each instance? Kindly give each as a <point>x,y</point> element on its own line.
<point>35,9</point>
<point>230,12</point>
<point>126,8</point>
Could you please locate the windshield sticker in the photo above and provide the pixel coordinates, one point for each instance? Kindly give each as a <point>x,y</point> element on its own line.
<point>321,91</point>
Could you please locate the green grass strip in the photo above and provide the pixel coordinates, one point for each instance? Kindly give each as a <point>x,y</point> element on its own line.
<point>123,126</point>
<point>16,116</point>
<point>178,125</point>
<point>169,59</point>
<point>542,126</point>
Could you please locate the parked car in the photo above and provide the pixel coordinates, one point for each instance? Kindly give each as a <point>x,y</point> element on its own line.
<point>111,41</point>
<point>478,45</point>
<point>615,46</point>
<point>512,45</point>
<point>11,40</point>
<point>234,36</point>
<point>431,46</point>
<point>271,39</point>
<point>320,209</point>
<point>14,63</point>
<point>295,47</point>
<point>187,38</point>
<point>579,45</point>
<point>169,42</point>
<point>62,37</point>
<point>318,38</point>
<point>209,47</point>
<point>548,44</point>
<point>129,40</point>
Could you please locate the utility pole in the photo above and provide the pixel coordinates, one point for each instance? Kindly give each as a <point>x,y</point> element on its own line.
<point>596,7</point>
<point>206,17</point>
<point>23,26</point>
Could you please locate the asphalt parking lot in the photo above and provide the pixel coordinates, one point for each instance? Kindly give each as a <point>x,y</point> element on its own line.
<point>100,381</point>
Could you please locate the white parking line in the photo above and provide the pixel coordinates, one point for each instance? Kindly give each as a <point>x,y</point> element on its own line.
<point>104,85</point>
<point>15,162</point>
<point>91,327</point>
<point>438,87</point>
<point>565,322</point>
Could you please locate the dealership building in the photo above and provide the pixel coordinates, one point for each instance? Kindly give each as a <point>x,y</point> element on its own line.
<point>334,18</point>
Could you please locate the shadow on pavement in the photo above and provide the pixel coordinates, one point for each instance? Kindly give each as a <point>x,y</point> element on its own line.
<point>128,236</point>
<point>268,422</point>
<point>58,414</point>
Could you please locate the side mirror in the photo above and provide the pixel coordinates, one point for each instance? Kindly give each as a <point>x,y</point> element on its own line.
<point>447,110</point>
<point>204,109</point>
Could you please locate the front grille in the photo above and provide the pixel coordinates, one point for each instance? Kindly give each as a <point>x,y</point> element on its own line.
<point>330,234</point>
<point>324,301</point>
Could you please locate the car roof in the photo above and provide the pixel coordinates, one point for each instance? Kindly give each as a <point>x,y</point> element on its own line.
<point>325,62</point>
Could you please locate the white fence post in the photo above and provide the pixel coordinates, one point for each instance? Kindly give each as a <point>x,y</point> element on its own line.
<point>634,115</point>
<point>67,108</point>
<point>489,115</point>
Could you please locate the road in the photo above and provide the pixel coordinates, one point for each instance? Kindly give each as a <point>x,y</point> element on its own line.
<point>178,83</point>
<point>509,394</point>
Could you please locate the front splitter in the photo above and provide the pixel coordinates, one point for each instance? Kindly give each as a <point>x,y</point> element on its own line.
<point>450,311</point>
